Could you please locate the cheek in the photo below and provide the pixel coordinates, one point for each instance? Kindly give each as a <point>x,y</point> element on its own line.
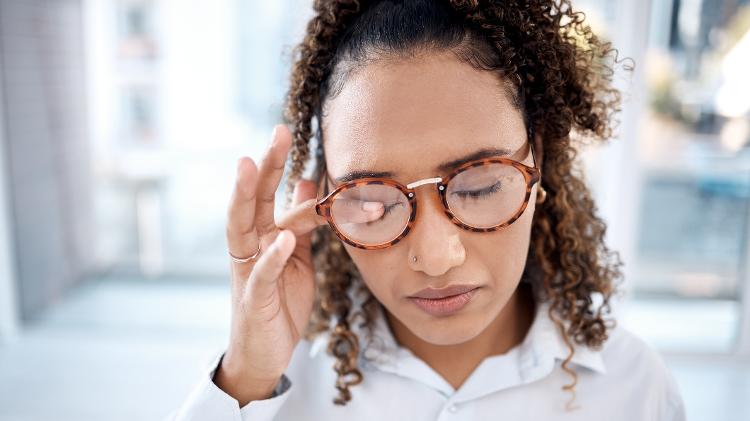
<point>504,252</point>
<point>378,269</point>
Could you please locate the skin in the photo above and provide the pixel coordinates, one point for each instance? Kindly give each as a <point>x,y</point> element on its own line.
<point>407,116</point>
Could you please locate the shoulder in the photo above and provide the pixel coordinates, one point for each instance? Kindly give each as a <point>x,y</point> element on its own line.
<point>623,347</point>
<point>311,364</point>
<point>640,371</point>
<point>307,354</point>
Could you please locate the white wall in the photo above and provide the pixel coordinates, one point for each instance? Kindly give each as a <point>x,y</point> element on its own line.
<point>46,165</point>
<point>8,309</point>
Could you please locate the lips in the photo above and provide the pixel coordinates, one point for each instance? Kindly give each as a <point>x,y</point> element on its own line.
<point>451,290</point>
<point>447,306</point>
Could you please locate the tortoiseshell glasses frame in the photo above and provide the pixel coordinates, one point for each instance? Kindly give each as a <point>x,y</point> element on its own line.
<point>531,175</point>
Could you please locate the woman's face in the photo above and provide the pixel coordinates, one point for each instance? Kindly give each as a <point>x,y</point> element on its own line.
<point>408,117</point>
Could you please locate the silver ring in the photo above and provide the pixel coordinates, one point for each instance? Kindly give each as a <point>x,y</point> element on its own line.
<point>246,259</point>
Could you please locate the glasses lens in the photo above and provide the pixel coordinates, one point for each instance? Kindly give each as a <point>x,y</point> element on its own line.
<point>371,214</point>
<point>487,195</point>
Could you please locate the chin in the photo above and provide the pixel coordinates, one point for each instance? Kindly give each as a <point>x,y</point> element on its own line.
<point>451,330</point>
<point>441,336</point>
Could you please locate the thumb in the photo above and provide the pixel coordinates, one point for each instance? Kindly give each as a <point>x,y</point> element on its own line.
<point>268,268</point>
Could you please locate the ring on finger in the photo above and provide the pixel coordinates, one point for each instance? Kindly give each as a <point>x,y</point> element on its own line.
<point>245,259</point>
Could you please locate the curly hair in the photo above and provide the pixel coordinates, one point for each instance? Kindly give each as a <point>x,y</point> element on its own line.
<point>560,76</point>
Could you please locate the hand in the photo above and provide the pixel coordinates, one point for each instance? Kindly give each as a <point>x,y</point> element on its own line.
<point>272,295</point>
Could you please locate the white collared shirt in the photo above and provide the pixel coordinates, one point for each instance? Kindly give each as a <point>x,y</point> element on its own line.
<point>625,380</point>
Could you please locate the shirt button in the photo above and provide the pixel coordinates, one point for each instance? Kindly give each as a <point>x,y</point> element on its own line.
<point>452,408</point>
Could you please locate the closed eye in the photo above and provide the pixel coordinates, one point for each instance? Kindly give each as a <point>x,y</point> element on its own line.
<point>475,194</point>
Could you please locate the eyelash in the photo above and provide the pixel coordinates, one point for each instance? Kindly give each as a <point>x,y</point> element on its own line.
<point>476,194</point>
<point>463,194</point>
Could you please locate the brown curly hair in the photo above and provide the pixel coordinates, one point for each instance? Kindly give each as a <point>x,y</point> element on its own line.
<point>560,74</point>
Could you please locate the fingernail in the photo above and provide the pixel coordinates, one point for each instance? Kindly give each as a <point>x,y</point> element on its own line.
<point>371,206</point>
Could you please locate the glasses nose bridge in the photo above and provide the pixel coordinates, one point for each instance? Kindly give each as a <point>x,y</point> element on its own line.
<point>415,184</point>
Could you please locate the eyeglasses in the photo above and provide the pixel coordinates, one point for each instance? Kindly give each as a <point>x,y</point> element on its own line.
<point>484,195</point>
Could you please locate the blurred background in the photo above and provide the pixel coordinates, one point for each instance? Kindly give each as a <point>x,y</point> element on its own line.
<point>121,122</point>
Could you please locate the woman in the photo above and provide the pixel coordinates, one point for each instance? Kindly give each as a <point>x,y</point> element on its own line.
<point>445,259</point>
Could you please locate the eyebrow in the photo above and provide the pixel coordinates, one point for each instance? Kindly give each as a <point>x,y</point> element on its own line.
<point>444,167</point>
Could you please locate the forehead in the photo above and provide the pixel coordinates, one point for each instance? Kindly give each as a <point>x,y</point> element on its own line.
<point>407,116</point>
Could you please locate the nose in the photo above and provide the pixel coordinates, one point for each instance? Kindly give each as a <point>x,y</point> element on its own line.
<point>434,239</point>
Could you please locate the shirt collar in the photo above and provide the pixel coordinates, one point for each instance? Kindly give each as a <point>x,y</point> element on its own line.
<point>531,360</point>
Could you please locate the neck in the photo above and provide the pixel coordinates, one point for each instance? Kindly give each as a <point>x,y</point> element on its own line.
<point>456,362</point>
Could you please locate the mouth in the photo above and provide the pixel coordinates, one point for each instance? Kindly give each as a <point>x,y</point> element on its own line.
<point>445,305</point>
<point>449,291</point>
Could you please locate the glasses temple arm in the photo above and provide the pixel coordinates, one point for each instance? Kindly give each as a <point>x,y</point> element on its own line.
<point>532,140</point>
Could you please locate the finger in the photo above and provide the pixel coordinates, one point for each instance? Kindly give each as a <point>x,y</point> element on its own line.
<point>303,190</point>
<point>270,171</point>
<point>301,218</point>
<point>242,237</point>
<point>268,268</point>
<point>358,211</point>
<point>296,197</point>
